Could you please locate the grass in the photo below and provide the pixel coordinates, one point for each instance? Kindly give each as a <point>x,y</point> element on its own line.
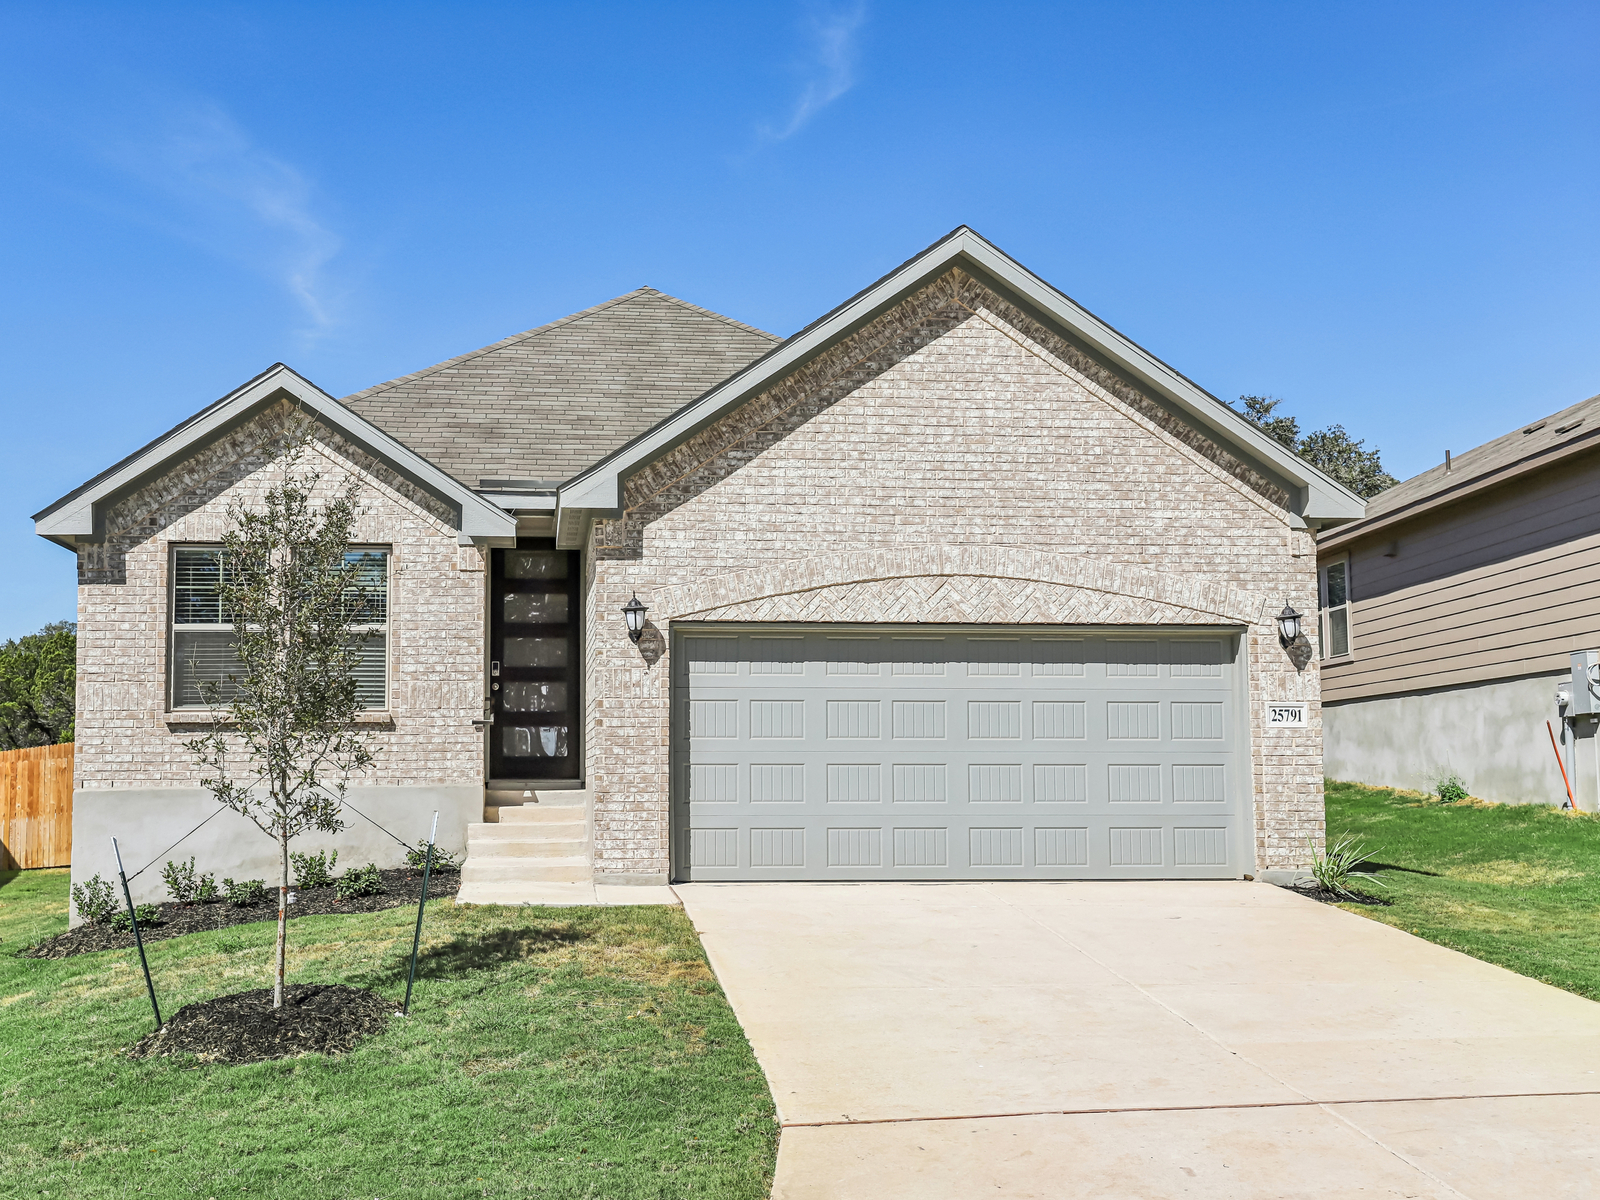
<point>549,1052</point>
<point>1513,884</point>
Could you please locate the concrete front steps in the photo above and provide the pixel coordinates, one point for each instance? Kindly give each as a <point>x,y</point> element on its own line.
<point>533,848</point>
<point>529,849</point>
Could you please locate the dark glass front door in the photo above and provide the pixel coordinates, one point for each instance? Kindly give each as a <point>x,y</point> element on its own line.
<point>533,673</point>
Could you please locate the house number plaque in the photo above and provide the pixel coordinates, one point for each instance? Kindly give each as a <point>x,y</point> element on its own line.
<point>1286,714</point>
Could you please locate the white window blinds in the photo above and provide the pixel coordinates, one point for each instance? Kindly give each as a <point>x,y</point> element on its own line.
<point>202,633</point>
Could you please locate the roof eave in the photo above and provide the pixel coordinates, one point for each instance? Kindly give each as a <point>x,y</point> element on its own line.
<point>1315,498</point>
<point>79,515</point>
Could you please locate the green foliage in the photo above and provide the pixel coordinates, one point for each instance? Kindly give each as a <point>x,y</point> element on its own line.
<point>444,863</point>
<point>295,592</point>
<point>1283,430</point>
<point>38,682</point>
<point>360,881</point>
<point>1331,450</point>
<point>550,1053</point>
<point>93,899</point>
<point>206,890</point>
<point>1449,787</point>
<point>313,870</point>
<point>182,884</point>
<point>1332,867</point>
<point>148,915</point>
<point>244,893</point>
<point>1514,884</point>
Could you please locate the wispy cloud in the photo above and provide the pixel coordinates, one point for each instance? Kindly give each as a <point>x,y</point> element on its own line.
<point>236,199</point>
<point>831,68</point>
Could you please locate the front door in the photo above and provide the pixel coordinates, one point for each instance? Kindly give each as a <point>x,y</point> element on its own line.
<point>533,672</point>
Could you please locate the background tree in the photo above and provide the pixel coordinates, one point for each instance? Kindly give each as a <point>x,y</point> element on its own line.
<point>38,682</point>
<point>293,594</point>
<point>1331,450</point>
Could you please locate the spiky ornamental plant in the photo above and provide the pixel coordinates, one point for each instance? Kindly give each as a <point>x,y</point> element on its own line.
<point>290,709</point>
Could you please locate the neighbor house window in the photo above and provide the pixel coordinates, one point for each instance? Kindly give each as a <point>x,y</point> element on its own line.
<point>202,650</point>
<point>1334,622</point>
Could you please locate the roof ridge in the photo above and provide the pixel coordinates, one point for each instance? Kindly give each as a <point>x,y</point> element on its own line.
<point>503,343</point>
<point>710,313</point>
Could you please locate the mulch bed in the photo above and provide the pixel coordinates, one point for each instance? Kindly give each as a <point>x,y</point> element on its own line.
<point>243,1028</point>
<point>404,886</point>
<point>1327,897</point>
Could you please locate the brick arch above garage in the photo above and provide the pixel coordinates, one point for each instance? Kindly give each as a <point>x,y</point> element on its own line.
<point>956,584</point>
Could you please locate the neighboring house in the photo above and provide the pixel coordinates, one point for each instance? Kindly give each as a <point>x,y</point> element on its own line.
<point>1449,612</point>
<point>956,582</point>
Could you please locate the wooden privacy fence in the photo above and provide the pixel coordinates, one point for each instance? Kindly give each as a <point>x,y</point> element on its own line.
<point>36,807</point>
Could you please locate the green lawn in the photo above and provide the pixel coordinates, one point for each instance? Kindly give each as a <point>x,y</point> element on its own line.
<point>549,1052</point>
<point>1517,885</point>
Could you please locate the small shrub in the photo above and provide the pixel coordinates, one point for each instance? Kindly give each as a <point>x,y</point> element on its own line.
<point>313,870</point>
<point>1332,868</point>
<point>360,881</point>
<point>93,899</point>
<point>245,893</point>
<point>206,890</point>
<point>1449,787</point>
<point>182,883</point>
<point>148,915</point>
<point>443,861</point>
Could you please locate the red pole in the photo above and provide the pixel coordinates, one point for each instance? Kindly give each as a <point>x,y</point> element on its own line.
<point>1570,801</point>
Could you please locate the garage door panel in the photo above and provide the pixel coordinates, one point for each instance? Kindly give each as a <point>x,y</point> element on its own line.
<point>809,753</point>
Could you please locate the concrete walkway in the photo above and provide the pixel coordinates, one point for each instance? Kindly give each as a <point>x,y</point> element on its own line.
<point>1144,1040</point>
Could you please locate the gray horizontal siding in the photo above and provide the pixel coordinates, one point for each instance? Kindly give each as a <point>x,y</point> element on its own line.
<point>1491,589</point>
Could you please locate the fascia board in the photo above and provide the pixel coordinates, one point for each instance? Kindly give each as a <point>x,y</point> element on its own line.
<point>1320,499</point>
<point>75,515</point>
<point>520,501</point>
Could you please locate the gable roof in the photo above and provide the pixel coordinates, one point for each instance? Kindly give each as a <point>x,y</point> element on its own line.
<point>1531,447</point>
<point>545,404</point>
<point>80,513</point>
<point>1316,498</point>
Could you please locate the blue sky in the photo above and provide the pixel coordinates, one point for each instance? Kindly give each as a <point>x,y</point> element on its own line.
<point>1388,214</point>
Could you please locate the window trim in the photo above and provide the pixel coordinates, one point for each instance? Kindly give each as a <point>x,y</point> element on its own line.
<point>1323,609</point>
<point>174,628</point>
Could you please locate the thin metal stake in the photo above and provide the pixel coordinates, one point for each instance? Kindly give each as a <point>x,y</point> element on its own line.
<point>416,938</point>
<point>137,940</point>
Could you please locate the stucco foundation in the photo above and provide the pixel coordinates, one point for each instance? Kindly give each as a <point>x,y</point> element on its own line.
<point>1492,734</point>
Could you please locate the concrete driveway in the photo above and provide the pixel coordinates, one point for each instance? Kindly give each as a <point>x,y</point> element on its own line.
<point>1144,1040</point>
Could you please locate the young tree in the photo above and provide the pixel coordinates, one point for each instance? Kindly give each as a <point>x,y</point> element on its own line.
<point>1332,450</point>
<point>38,678</point>
<point>293,592</point>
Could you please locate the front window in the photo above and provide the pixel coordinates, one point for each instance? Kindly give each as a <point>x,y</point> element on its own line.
<point>202,650</point>
<point>1334,619</point>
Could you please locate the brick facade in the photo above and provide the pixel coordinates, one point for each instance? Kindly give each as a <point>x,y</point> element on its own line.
<point>126,737</point>
<point>952,461</point>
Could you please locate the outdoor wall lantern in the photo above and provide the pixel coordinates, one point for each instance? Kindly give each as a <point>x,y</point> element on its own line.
<point>1288,625</point>
<point>633,612</point>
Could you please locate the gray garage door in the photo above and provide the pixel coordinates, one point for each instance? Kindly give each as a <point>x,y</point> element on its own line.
<point>893,752</point>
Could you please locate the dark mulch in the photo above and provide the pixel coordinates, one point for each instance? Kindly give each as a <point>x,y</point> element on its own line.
<point>243,1028</point>
<point>404,886</point>
<point>1327,897</point>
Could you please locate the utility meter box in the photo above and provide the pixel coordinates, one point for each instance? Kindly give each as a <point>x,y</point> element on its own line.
<point>1585,684</point>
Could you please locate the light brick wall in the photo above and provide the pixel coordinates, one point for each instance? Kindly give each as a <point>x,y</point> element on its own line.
<point>126,737</point>
<point>951,462</point>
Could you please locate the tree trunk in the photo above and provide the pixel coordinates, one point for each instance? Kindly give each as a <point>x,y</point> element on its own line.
<point>283,916</point>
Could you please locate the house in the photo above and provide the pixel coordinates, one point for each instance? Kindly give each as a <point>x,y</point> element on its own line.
<point>956,582</point>
<point>1450,610</point>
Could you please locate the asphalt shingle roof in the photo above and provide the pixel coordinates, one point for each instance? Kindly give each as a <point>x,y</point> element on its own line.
<point>1569,425</point>
<point>545,404</point>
